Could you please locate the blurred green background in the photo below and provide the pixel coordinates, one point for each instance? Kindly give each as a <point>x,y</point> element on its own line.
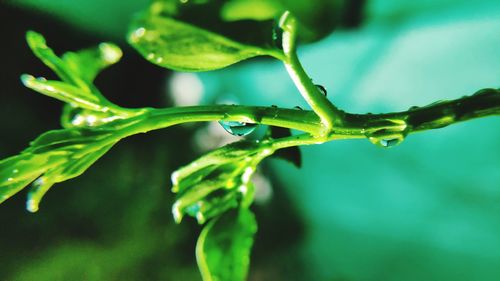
<point>428,209</point>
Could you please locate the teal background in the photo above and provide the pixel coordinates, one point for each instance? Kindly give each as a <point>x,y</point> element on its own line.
<point>425,210</point>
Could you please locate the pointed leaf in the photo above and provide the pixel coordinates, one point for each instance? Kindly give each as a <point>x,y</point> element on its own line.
<point>63,92</point>
<point>181,37</point>
<point>77,71</point>
<point>224,246</point>
<point>39,47</point>
<point>87,63</point>
<point>53,157</point>
<point>65,171</point>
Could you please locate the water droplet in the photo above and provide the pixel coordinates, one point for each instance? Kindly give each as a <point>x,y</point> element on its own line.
<point>485,92</point>
<point>150,56</point>
<point>387,141</point>
<point>194,209</point>
<point>32,206</point>
<point>392,133</point>
<point>138,33</point>
<point>238,128</point>
<point>321,89</point>
<point>413,108</point>
<point>298,107</point>
<point>390,142</point>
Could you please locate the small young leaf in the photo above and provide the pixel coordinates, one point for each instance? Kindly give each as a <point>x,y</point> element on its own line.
<point>76,68</point>
<point>224,246</point>
<point>217,181</point>
<point>77,71</point>
<point>62,91</point>
<point>39,47</point>
<point>87,63</point>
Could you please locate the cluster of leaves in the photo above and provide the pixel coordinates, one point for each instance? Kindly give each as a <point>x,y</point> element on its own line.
<point>91,123</point>
<point>216,188</point>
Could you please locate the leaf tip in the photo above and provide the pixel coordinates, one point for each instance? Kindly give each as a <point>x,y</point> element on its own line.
<point>32,206</point>
<point>177,213</point>
<point>111,53</point>
<point>35,39</point>
<point>27,79</point>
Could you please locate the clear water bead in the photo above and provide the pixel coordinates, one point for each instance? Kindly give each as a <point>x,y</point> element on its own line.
<point>239,129</point>
<point>321,89</point>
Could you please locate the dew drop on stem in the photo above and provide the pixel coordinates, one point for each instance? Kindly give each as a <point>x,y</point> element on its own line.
<point>239,129</point>
<point>321,89</point>
<point>387,141</point>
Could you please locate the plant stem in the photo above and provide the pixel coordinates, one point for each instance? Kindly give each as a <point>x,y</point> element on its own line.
<point>437,115</point>
<point>330,115</point>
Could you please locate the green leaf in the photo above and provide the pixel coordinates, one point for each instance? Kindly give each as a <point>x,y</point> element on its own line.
<point>217,181</point>
<point>316,18</point>
<point>65,171</point>
<point>76,68</point>
<point>181,37</point>
<point>53,157</point>
<point>77,71</point>
<point>62,91</point>
<point>224,246</point>
<point>18,171</point>
<point>39,47</point>
<point>251,9</point>
<point>87,63</point>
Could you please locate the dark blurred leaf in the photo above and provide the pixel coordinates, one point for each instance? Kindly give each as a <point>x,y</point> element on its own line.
<point>316,18</point>
<point>224,245</point>
<point>291,154</point>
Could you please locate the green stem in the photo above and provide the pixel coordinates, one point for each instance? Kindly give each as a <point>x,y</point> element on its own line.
<point>301,120</point>
<point>482,104</point>
<point>330,115</point>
